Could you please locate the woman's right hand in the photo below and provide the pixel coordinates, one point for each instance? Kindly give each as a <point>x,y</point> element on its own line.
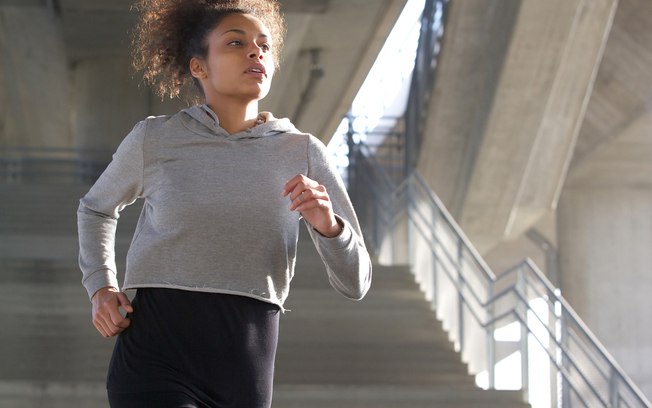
<point>107,318</point>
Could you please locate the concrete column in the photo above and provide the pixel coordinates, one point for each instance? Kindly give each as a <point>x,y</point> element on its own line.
<point>606,261</point>
<point>604,228</point>
<point>107,101</point>
<point>510,97</point>
<point>35,86</point>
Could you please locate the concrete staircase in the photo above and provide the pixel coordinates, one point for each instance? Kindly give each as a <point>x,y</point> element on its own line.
<point>385,351</point>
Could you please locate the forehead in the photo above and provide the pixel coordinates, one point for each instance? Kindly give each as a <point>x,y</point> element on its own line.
<point>237,22</point>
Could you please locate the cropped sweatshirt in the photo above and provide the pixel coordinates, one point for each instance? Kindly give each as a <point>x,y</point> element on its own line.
<point>214,218</point>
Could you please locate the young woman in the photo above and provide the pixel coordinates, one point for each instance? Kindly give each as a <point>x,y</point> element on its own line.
<point>224,188</point>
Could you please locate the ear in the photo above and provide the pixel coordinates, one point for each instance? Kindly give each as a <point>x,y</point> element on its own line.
<point>198,68</point>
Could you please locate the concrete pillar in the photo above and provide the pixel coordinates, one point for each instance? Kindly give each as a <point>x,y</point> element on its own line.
<point>510,97</point>
<point>475,43</point>
<point>107,101</point>
<point>606,261</point>
<point>35,85</point>
<point>604,233</point>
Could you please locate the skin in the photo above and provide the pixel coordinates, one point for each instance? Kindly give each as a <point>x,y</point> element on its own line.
<point>232,91</point>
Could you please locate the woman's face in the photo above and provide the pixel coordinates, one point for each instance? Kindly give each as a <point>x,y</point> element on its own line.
<point>240,62</point>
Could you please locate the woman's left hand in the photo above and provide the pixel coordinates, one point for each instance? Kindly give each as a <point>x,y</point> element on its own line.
<point>311,199</point>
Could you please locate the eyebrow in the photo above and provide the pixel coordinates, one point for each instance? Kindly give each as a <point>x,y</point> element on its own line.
<point>243,32</point>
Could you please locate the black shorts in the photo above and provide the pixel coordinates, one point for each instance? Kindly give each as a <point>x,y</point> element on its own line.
<point>195,349</point>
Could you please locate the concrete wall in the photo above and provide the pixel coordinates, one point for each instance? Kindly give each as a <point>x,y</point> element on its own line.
<point>49,100</point>
<point>34,79</point>
<point>605,236</point>
<point>107,102</point>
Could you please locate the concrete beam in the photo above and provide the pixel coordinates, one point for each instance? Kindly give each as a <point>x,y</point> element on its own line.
<point>626,161</point>
<point>564,114</point>
<point>349,35</point>
<point>512,162</point>
<point>623,87</point>
<point>475,43</point>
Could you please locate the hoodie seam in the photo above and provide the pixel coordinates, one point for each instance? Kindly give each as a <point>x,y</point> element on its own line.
<point>204,135</point>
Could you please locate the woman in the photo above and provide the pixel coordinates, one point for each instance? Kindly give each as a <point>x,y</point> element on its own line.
<point>224,188</point>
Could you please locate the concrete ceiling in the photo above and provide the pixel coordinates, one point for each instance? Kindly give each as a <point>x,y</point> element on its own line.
<point>526,87</point>
<point>337,38</point>
<point>614,147</point>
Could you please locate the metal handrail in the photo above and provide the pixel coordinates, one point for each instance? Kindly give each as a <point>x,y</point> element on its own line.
<point>20,164</point>
<point>576,375</point>
<point>451,252</point>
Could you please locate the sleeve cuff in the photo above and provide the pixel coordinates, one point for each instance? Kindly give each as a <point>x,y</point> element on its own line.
<point>100,279</point>
<point>339,241</point>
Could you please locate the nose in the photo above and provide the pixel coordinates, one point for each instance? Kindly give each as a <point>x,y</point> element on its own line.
<point>256,53</point>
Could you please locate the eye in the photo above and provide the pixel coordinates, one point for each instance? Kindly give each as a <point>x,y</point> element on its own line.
<point>235,42</point>
<point>265,47</point>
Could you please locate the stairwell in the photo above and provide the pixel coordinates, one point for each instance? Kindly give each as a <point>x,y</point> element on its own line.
<point>387,350</point>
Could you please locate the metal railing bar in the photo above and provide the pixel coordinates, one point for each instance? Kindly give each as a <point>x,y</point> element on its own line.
<point>562,370</point>
<point>553,337</point>
<point>460,288</point>
<point>523,301</point>
<point>377,169</point>
<point>457,284</point>
<point>414,205</point>
<point>423,219</point>
<point>451,222</point>
<point>586,332</point>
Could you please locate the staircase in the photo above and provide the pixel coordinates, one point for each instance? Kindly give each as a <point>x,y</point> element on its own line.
<point>385,351</point>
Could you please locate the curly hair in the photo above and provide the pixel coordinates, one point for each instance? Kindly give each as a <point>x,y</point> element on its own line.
<point>169,33</point>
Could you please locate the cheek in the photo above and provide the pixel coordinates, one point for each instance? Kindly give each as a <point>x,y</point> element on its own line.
<point>220,68</point>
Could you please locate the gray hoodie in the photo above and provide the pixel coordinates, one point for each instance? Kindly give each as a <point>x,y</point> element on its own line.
<point>214,219</point>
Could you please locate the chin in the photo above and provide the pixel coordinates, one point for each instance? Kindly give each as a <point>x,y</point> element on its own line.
<point>262,93</point>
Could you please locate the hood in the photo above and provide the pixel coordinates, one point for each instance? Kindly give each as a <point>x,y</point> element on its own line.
<point>201,119</point>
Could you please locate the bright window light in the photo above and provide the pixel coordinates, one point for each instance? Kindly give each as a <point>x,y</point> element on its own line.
<point>384,91</point>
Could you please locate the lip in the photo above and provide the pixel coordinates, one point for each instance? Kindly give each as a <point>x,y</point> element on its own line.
<point>257,70</point>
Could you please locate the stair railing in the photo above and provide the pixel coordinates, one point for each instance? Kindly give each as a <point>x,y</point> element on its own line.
<point>23,165</point>
<point>516,322</point>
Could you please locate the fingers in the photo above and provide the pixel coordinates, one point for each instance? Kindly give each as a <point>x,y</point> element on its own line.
<point>297,185</point>
<point>110,322</point>
<point>107,318</point>
<point>310,199</point>
<point>305,193</point>
<point>125,303</point>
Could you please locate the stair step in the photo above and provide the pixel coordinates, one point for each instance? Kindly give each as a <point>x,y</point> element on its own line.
<point>387,350</point>
<point>33,394</point>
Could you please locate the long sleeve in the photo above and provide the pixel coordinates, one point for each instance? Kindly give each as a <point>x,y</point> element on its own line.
<point>97,216</point>
<point>345,256</point>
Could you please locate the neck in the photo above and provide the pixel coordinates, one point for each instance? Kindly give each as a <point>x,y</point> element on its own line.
<point>235,117</point>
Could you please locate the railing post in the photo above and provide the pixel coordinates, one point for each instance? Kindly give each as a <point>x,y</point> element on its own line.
<point>491,342</point>
<point>563,340</point>
<point>433,253</point>
<point>350,170</point>
<point>557,351</point>
<point>613,388</point>
<point>523,311</point>
<point>410,201</point>
<point>460,296</point>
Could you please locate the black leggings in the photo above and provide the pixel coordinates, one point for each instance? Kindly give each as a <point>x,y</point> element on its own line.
<point>195,349</point>
<point>163,399</point>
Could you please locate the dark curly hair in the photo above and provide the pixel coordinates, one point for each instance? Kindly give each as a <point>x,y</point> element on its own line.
<point>170,33</point>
